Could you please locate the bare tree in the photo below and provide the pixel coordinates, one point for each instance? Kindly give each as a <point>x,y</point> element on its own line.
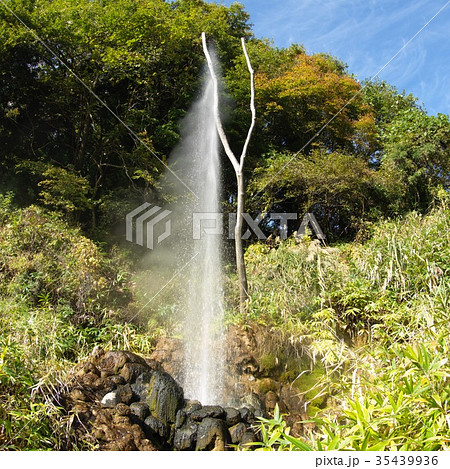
<point>238,165</point>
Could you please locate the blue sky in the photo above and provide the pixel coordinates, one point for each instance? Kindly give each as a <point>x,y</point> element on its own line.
<point>366,34</point>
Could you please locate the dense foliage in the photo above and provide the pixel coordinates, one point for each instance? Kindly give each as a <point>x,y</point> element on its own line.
<point>91,96</point>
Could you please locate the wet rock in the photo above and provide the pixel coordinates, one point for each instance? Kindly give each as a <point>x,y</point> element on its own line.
<point>212,435</point>
<point>185,438</point>
<point>213,411</point>
<point>247,415</point>
<point>154,427</point>
<point>254,403</point>
<point>161,393</point>
<point>248,437</point>
<point>232,416</point>
<point>237,432</point>
<point>180,418</point>
<point>140,410</point>
<point>192,406</point>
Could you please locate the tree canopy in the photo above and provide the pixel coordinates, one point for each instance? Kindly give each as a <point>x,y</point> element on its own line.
<point>92,93</point>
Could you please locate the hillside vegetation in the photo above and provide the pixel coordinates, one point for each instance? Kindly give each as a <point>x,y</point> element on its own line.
<point>374,317</point>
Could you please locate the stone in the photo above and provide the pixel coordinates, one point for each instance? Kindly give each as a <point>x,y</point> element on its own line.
<point>123,410</point>
<point>140,410</point>
<point>116,433</point>
<point>247,415</point>
<point>82,412</point>
<point>185,438</point>
<point>180,418</point>
<point>296,423</point>
<point>270,401</point>
<point>125,393</point>
<point>169,354</point>
<point>113,361</point>
<point>291,400</point>
<point>248,437</point>
<point>191,406</point>
<point>91,368</point>
<point>161,393</point>
<point>212,435</point>
<point>236,432</point>
<point>154,427</point>
<point>105,384</point>
<point>254,403</point>
<point>232,416</point>
<point>213,411</point>
<point>90,379</point>
<point>116,380</point>
<point>78,395</point>
<point>130,371</point>
<point>110,399</point>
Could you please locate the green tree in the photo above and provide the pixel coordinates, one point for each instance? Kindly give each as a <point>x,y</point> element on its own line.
<point>64,98</point>
<point>339,188</point>
<point>416,159</point>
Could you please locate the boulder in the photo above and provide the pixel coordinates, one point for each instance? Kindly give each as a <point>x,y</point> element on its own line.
<point>247,415</point>
<point>213,411</point>
<point>130,371</point>
<point>113,361</point>
<point>191,406</point>
<point>247,438</point>
<point>180,418</point>
<point>212,435</point>
<point>140,410</point>
<point>185,437</point>
<point>161,393</point>
<point>237,432</point>
<point>124,393</point>
<point>253,402</point>
<point>111,399</point>
<point>154,427</point>
<point>232,416</point>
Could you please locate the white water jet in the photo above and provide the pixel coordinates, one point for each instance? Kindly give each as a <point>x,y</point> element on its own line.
<point>203,334</point>
<point>196,161</point>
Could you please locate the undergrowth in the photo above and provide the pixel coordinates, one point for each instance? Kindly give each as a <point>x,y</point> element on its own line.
<point>361,330</point>
<point>60,296</point>
<point>375,317</point>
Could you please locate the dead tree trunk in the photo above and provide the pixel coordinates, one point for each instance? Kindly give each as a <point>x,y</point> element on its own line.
<point>238,166</point>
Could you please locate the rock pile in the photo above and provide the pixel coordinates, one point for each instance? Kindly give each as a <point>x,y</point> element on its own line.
<point>123,402</point>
